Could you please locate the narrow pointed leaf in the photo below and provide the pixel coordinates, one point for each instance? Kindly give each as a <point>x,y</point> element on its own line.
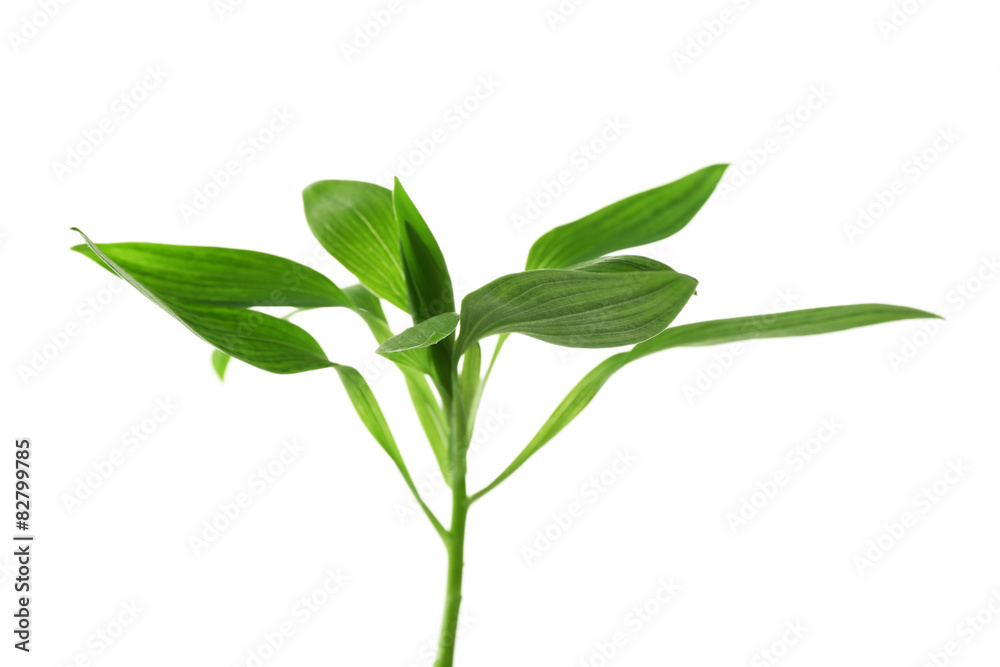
<point>367,407</point>
<point>611,302</point>
<point>355,223</point>
<point>427,279</point>
<point>807,322</point>
<point>425,334</point>
<point>795,323</point>
<point>637,220</point>
<point>261,340</point>
<point>431,416</point>
<point>578,398</point>
<point>415,365</point>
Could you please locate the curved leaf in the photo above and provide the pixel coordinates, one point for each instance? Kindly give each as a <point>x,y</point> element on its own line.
<point>367,305</point>
<point>421,335</point>
<point>355,223</point>
<point>795,323</point>
<point>415,365</point>
<point>267,342</point>
<point>647,217</point>
<point>367,407</point>
<point>807,322</point>
<point>611,302</point>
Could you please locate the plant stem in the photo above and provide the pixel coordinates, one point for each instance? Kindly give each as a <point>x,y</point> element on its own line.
<point>456,563</point>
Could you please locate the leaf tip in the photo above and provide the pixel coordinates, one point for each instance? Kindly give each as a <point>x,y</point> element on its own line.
<point>220,361</point>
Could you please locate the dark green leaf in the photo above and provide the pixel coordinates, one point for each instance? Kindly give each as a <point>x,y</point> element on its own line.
<point>424,334</point>
<point>355,223</point>
<point>637,220</point>
<point>427,279</point>
<point>611,302</point>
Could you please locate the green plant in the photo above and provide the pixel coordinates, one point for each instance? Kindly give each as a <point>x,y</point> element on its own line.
<point>573,293</point>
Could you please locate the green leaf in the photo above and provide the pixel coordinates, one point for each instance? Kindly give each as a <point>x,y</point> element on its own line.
<point>369,308</point>
<point>220,360</point>
<point>261,340</point>
<point>367,407</point>
<point>432,417</point>
<point>414,365</point>
<point>637,220</point>
<point>795,323</point>
<point>614,301</point>
<point>427,280</point>
<point>355,223</point>
<point>425,334</point>
<point>221,276</point>
<point>363,299</point>
<point>578,398</point>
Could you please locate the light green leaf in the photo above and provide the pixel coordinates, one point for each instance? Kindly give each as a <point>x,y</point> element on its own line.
<point>220,360</point>
<point>613,301</point>
<point>355,223</point>
<point>469,380</point>
<point>427,279</point>
<point>432,417</point>
<point>424,334</point>
<point>414,365</point>
<point>795,323</point>
<point>368,410</point>
<point>367,305</point>
<point>637,220</point>
<point>363,299</point>
<point>221,276</point>
<point>261,340</point>
<point>578,398</point>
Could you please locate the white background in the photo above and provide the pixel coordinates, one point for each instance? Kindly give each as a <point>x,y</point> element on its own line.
<point>887,95</point>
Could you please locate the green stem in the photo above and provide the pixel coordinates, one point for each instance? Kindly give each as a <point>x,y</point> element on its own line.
<point>456,564</point>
